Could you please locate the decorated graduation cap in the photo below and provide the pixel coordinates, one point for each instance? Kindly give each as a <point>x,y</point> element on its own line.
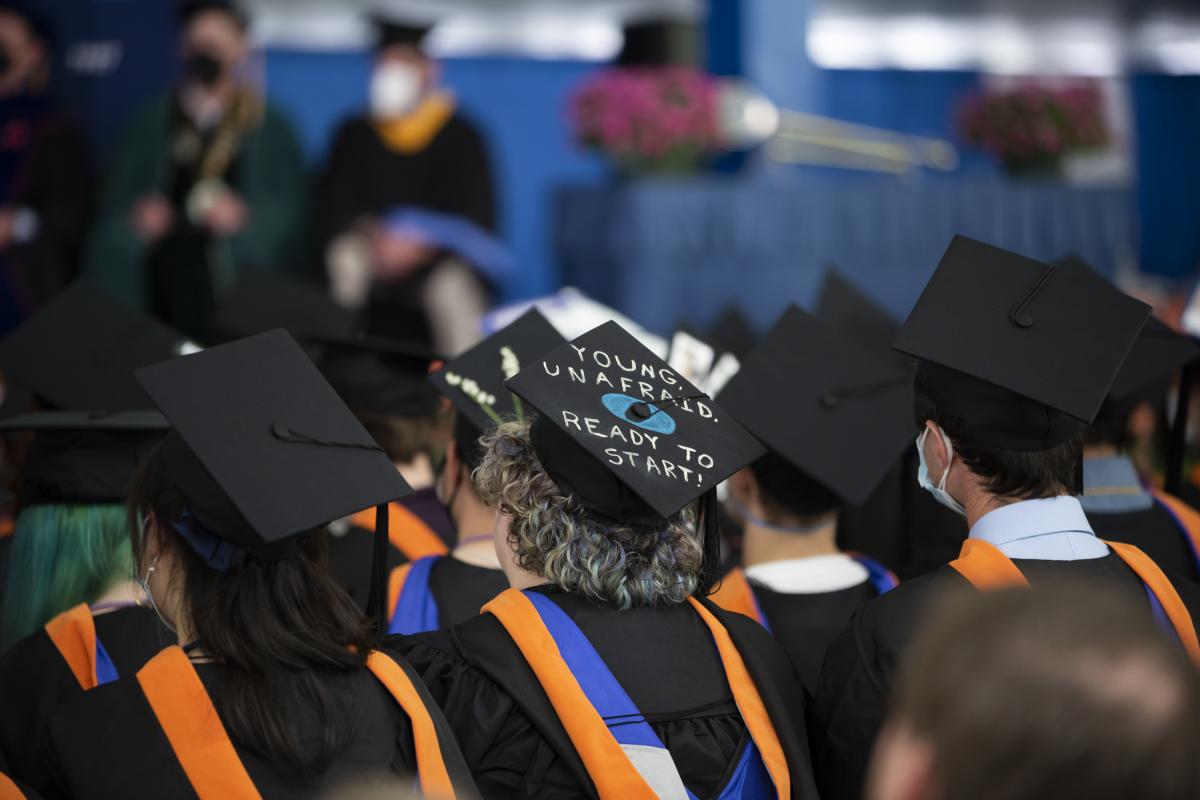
<point>474,381</point>
<point>264,451</point>
<point>81,456</point>
<point>375,375</point>
<point>79,351</point>
<point>847,308</point>
<point>628,438</point>
<point>263,301</point>
<point>1022,351</point>
<point>830,408</point>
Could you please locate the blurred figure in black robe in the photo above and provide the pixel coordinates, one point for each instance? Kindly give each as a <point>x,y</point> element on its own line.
<point>412,149</point>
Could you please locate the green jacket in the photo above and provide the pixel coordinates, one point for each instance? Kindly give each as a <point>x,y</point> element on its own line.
<point>271,180</point>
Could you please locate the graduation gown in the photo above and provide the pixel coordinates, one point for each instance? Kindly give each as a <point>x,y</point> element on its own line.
<point>663,657</point>
<point>449,591</point>
<point>418,526</point>
<point>855,683</point>
<point>110,743</point>
<point>1161,533</point>
<point>35,680</point>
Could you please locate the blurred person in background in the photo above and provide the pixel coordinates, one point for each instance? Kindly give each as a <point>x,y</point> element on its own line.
<point>207,182</point>
<point>1058,693</point>
<point>412,150</point>
<point>45,171</point>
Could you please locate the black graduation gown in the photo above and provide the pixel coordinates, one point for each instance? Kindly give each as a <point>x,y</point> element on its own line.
<point>461,589</point>
<point>35,681</point>
<point>806,624</point>
<point>1155,532</point>
<point>108,744</point>
<point>664,658</point>
<point>854,687</point>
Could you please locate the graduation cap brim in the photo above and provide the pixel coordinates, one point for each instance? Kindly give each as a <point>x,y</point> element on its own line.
<point>263,301</point>
<point>474,381</point>
<point>621,407</point>
<point>830,408</point>
<point>378,375</point>
<point>135,421</point>
<point>79,351</point>
<point>257,426</point>
<point>1054,335</point>
<point>391,31</point>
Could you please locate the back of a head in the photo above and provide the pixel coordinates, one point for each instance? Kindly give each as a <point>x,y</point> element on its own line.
<point>1059,693</point>
<point>789,494</point>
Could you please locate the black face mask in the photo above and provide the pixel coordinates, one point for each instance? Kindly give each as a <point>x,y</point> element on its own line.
<point>202,68</point>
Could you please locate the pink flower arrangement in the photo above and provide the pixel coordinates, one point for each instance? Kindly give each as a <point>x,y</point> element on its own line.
<point>647,118</point>
<point>1032,127</point>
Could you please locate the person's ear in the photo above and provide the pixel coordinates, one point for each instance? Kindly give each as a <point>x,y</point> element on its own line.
<point>744,488</point>
<point>937,457</point>
<point>447,481</point>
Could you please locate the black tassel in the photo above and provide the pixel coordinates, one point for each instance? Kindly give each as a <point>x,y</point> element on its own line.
<point>376,603</point>
<point>709,526</point>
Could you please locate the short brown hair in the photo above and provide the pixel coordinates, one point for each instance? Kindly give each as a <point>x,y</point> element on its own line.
<point>1065,692</point>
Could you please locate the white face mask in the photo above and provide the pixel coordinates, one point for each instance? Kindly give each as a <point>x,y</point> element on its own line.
<point>395,90</point>
<point>939,492</point>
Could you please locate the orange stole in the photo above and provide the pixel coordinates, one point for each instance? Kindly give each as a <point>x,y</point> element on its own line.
<point>611,771</point>
<point>9,790</point>
<point>407,532</point>
<point>204,750</point>
<point>1185,515</point>
<point>735,594</point>
<point>73,632</point>
<point>986,567</point>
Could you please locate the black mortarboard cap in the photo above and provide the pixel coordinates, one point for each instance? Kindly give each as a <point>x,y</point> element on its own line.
<point>732,333</point>
<point>188,9</point>
<point>79,351</point>
<point>474,381</point>
<point>1022,351</point>
<point>81,456</point>
<point>847,308</point>
<point>623,433</point>
<point>262,301</point>
<point>833,410</point>
<point>378,376</point>
<point>391,31</point>
<point>263,448</point>
<point>647,43</point>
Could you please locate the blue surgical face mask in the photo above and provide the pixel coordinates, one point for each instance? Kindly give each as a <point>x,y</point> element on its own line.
<point>939,492</point>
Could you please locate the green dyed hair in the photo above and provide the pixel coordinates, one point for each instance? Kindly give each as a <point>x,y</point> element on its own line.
<point>61,556</point>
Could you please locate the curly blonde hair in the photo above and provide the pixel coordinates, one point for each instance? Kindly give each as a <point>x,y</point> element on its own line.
<point>553,536</point>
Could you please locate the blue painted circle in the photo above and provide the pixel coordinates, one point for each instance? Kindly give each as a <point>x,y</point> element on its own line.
<point>659,421</point>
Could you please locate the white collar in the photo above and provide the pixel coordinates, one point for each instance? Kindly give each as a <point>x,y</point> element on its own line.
<point>1054,528</point>
<point>811,575</point>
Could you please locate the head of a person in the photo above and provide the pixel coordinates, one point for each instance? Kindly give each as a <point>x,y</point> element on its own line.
<point>545,532</point>
<point>953,451</point>
<point>410,440</point>
<point>286,634</point>
<point>62,554</point>
<point>213,43</point>
<point>1019,694</point>
<point>463,455</point>
<point>24,51</point>
<point>403,73</point>
<point>773,490</point>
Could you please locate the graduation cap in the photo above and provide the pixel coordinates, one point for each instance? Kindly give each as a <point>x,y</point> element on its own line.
<point>189,9</point>
<point>474,381</point>
<point>265,451</point>
<point>378,375</point>
<point>732,333</point>
<point>82,456</point>
<point>628,438</point>
<point>262,301</point>
<point>79,351</point>
<point>1022,351</point>
<point>830,408</point>
<point>844,306</point>
<point>391,30</point>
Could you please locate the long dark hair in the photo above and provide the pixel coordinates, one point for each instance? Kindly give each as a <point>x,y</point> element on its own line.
<point>289,639</point>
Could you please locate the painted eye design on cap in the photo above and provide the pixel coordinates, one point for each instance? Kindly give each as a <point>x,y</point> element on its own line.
<point>638,412</point>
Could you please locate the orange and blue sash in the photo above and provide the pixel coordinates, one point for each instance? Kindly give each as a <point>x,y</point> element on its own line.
<point>1186,518</point>
<point>602,721</point>
<point>73,633</point>
<point>414,609</point>
<point>407,532</point>
<point>985,566</point>
<point>736,594</point>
